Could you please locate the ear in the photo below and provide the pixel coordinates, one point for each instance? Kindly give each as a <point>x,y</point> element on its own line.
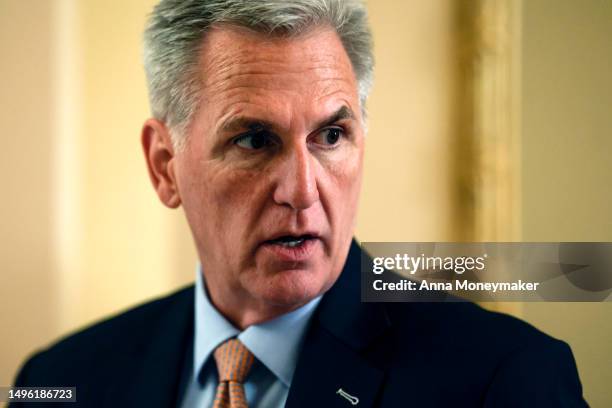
<point>159,155</point>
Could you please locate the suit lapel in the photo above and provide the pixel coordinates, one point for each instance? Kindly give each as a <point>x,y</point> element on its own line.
<point>154,378</point>
<point>333,369</point>
<point>330,374</point>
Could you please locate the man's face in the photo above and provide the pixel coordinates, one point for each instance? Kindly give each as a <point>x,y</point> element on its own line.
<point>270,176</point>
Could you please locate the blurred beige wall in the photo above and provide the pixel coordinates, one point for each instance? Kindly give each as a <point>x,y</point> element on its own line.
<point>567,166</point>
<point>28,287</point>
<point>407,194</point>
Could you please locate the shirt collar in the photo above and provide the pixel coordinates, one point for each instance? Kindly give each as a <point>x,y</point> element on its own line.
<point>275,343</point>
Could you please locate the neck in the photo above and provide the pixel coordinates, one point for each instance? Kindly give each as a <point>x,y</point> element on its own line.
<point>243,312</point>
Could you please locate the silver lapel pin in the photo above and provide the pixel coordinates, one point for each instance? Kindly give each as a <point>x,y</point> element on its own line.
<point>349,397</point>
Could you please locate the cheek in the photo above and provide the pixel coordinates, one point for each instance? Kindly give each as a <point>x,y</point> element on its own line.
<point>227,188</point>
<point>234,199</point>
<point>340,197</point>
<point>346,176</point>
<point>228,192</point>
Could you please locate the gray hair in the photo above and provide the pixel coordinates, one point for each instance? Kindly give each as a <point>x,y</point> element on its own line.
<point>175,33</point>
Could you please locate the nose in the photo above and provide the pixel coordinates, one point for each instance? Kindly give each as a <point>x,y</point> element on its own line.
<point>296,185</point>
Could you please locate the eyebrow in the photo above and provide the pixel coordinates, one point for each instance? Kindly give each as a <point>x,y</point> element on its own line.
<point>344,112</point>
<point>238,123</point>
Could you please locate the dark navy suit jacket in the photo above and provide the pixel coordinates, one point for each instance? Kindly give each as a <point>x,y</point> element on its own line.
<point>385,354</point>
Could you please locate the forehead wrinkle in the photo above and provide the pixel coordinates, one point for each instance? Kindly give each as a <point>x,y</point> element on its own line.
<point>225,92</point>
<point>254,60</point>
<point>277,74</point>
<point>275,118</point>
<point>249,95</point>
<point>329,93</point>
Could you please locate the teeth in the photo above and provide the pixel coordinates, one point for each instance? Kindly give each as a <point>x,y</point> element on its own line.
<point>292,243</point>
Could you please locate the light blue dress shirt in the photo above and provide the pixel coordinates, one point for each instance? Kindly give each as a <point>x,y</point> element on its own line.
<point>275,345</point>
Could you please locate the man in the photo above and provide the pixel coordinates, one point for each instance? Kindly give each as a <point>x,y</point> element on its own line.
<point>258,133</point>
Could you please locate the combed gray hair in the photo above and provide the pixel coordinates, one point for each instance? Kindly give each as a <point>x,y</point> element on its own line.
<point>176,29</point>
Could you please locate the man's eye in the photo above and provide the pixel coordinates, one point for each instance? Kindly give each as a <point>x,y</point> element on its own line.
<point>254,141</point>
<point>329,136</point>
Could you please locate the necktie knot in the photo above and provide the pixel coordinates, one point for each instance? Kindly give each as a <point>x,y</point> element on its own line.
<point>233,360</point>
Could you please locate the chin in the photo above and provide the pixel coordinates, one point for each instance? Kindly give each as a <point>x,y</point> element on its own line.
<point>292,289</point>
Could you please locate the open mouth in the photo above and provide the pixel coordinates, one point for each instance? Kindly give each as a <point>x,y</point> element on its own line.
<point>293,248</point>
<point>291,241</point>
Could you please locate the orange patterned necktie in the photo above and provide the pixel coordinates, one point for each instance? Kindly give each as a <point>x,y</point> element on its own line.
<point>234,361</point>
